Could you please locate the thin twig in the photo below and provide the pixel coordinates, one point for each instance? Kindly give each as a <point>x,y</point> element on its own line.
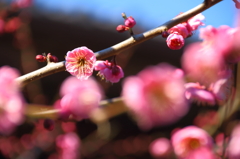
<point>116,49</point>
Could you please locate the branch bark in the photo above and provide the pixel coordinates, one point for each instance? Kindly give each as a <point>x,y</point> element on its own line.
<point>116,49</point>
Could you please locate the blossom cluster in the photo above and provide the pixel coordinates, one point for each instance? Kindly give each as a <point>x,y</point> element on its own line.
<point>212,75</point>
<point>81,62</point>
<point>177,34</point>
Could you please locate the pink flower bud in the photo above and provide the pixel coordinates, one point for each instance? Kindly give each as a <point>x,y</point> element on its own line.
<point>109,71</point>
<point>130,22</point>
<point>41,58</point>
<point>121,28</point>
<point>160,148</point>
<point>175,41</point>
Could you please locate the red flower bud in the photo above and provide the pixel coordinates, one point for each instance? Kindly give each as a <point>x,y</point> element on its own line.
<point>121,28</point>
<point>48,124</point>
<point>53,58</point>
<point>165,34</point>
<point>41,58</point>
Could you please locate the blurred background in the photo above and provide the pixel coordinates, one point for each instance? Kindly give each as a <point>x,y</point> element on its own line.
<point>58,26</point>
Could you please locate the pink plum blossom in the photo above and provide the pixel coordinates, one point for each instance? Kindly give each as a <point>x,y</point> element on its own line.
<point>175,41</point>
<point>69,146</point>
<point>109,71</point>
<point>160,148</point>
<point>11,101</point>
<point>192,143</point>
<point>79,97</point>
<point>23,3</point>
<point>180,29</point>
<point>195,22</point>
<point>80,62</point>
<point>233,149</point>
<point>154,94</point>
<point>197,93</point>
<point>202,63</point>
<point>213,37</point>
<point>130,22</point>
<point>222,88</point>
<point>183,30</point>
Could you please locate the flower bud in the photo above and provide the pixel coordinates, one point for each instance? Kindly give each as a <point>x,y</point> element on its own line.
<point>41,58</point>
<point>130,22</point>
<point>48,124</point>
<point>121,28</point>
<point>53,58</point>
<point>165,34</point>
<point>175,41</point>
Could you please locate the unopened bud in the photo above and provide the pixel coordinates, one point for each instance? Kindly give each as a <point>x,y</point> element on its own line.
<point>130,22</point>
<point>53,58</point>
<point>48,124</point>
<point>165,34</point>
<point>41,58</point>
<point>121,28</point>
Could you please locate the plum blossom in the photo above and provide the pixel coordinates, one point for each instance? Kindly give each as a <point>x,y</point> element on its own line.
<point>192,143</point>
<point>69,146</point>
<point>179,32</point>
<point>175,41</point>
<point>202,64</point>
<point>233,149</point>
<point>198,93</point>
<point>109,71</point>
<point>11,101</point>
<point>229,47</point>
<point>154,94</point>
<point>216,93</point>
<point>80,62</point>
<point>23,3</point>
<point>130,22</point>
<point>79,98</point>
<point>161,148</point>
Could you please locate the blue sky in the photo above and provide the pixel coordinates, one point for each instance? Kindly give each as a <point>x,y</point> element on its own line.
<point>148,14</point>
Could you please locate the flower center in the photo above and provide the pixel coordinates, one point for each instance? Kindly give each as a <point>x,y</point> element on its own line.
<point>193,144</point>
<point>81,62</point>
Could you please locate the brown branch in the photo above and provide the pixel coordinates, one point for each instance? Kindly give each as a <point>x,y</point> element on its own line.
<point>116,49</point>
<point>108,108</point>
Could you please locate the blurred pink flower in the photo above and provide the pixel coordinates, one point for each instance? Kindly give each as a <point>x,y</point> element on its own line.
<point>195,22</point>
<point>11,100</point>
<point>109,71</point>
<point>192,143</point>
<point>202,63</point>
<point>175,41</point>
<point>155,93</point>
<point>69,146</point>
<point>160,148</point>
<point>23,3</point>
<point>180,29</point>
<point>130,22</point>
<point>222,88</point>
<point>79,97</point>
<point>213,37</point>
<point>80,62</point>
<point>197,93</point>
<point>233,149</point>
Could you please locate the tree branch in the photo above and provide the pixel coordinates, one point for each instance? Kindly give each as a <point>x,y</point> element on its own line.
<point>116,49</point>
